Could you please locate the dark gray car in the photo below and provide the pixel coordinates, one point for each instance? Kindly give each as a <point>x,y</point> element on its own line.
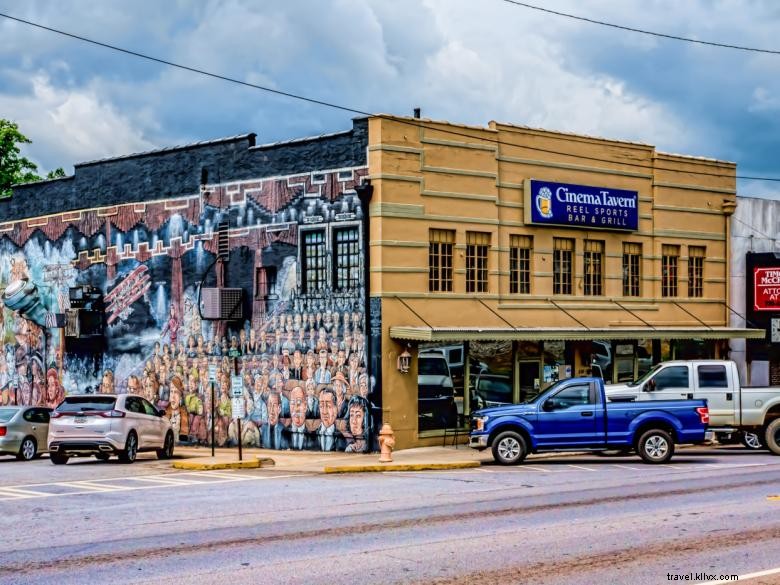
<point>23,431</point>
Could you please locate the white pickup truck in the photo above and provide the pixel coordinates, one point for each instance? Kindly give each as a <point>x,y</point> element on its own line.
<point>751,413</point>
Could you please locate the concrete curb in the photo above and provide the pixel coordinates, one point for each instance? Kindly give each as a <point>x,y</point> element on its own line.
<point>399,467</point>
<point>201,465</point>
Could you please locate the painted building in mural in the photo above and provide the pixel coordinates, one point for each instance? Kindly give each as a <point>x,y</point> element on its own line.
<point>104,272</point>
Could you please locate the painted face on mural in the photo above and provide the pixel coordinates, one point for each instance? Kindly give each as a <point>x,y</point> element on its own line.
<point>133,385</point>
<point>274,408</point>
<point>327,408</point>
<point>298,406</point>
<point>356,419</point>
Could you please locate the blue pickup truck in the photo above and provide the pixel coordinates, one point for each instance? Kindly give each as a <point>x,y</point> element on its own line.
<point>573,415</point>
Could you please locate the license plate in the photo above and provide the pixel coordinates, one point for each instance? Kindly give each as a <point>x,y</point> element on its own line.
<point>80,420</point>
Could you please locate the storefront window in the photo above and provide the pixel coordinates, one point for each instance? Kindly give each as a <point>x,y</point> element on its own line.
<point>554,367</point>
<point>439,386</point>
<point>644,357</point>
<point>490,373</point>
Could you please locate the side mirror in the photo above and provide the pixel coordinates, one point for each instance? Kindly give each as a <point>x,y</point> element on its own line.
<point>160,412</point>
<point>649,386</point>
<point>548,405</point>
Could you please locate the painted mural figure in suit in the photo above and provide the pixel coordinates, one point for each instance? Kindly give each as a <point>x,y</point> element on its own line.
<point>328,436</point>
<point>300,438</point>
<point>272,436</point>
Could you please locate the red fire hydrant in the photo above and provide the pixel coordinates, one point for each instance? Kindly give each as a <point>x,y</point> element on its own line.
<point>386,443</point>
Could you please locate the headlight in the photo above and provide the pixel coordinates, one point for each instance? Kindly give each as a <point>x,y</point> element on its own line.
<point>481,421</point>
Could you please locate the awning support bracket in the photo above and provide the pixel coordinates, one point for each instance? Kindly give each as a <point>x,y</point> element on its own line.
<point>627,310</point>
<point>569,314</point>
<point>497,315</point>
<point>691,314</point>
<point>413,311</point>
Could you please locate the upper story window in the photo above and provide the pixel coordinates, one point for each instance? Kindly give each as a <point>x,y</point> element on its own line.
<point>594,267</point>
<point>477,246</point>
<point>313,261</point>
<point>440,260</point>
<point>632,275</point>
<point>696,256</point>
<point>670,260</point>
<point>520,251</point>
<point>346,258</point>
<point>563,258</point>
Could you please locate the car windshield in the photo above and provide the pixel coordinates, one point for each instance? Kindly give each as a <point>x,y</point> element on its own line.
<point>83,403</point>
<point>7,414</point>
<point>432,367</point>
<point>644,378</point>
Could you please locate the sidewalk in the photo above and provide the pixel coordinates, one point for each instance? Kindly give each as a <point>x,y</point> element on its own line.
<point>418,459</point>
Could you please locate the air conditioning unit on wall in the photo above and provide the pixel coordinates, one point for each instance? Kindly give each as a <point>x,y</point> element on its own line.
<point>221,304</point>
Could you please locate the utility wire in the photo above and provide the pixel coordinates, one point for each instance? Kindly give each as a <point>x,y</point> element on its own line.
<point>640,31</point>
<point>407,121</point>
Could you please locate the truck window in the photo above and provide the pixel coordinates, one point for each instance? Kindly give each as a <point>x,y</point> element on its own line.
<point>576,395</point>
<point>712,376</point>
<point>672,377</point>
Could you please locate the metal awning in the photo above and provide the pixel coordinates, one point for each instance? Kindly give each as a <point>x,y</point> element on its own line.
<point>415,333</point>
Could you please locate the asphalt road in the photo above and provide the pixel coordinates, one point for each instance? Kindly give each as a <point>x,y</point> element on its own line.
<point>565,520</point>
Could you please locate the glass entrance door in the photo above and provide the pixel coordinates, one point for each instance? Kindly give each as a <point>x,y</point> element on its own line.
<point>529,374</point>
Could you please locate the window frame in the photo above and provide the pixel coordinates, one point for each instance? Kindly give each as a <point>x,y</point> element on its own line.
<point>563,257</point>
<point>477,251</point>
<point>320,279</point>
<point>670,270</point>
<point>520,254</point>
<point>351,268</point>
<point>632,269</point>
<point>593,268</point>
<point>441,244</point>
<point>696,256</point>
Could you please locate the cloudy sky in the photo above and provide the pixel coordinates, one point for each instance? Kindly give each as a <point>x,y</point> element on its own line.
<point>467,61</point>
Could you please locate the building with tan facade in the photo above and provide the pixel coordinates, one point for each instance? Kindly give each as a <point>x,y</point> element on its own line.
<point>518,256</point>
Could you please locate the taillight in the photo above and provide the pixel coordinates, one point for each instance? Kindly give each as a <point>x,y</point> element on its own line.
<point>704,414</point>
<point>56,414</point>
<point>2,431</point>
<point>112,414</point>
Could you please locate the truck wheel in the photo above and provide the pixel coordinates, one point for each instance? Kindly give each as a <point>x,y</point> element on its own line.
<point>752,440</point>
<point>655,446</point>
<point>773,436</point>
<point>509,448</point>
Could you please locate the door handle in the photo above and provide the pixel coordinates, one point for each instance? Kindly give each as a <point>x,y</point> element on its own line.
<point>729,396</point>
<point>690,396</point>
<point>586,413</point>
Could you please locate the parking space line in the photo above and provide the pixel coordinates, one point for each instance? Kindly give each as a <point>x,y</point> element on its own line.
<point>581,467</point>
<point>534,468</point>
<point>88,485</point>
<point>8,493</point>
<point>164,480</point>
<point>627,467</point>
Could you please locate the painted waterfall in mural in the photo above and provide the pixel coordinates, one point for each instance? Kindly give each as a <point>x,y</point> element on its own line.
<point>295,248</point>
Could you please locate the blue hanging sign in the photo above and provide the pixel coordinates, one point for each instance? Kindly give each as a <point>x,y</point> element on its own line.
<point>581,206</point>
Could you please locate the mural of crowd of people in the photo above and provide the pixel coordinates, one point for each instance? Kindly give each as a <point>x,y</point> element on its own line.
<point>300,358</point>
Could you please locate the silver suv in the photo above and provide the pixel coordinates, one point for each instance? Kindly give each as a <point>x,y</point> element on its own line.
<point>103,425</point>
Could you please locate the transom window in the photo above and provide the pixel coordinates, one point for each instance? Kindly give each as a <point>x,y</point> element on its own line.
<point>696,271</point>
<point>314,261</point>
<point>520,249</point>
<point>477,246</point>
<point>594,267</point>
<point>563,255</point>
<point>670,259</point>
<point>632,256</point>
<point>440,260</point>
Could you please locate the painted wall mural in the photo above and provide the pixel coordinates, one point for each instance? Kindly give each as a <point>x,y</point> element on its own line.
<point>293,244</point>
